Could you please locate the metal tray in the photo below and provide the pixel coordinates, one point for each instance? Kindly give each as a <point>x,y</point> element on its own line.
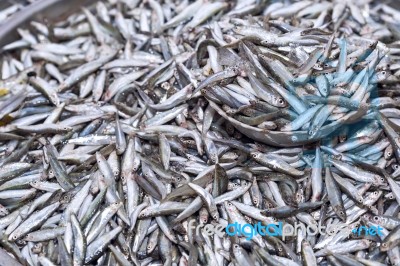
<point>41,10</point>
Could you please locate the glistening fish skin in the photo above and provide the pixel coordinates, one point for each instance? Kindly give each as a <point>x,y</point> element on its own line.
<point>130,128</point>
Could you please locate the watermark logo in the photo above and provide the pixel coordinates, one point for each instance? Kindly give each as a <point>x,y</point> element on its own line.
<point>281,229</point>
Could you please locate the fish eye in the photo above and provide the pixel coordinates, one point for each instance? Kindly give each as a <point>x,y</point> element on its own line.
<point>31,74</point>
<point>376,218</point>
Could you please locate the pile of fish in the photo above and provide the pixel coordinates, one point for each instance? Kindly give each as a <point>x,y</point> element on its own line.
<point>132,127</point>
